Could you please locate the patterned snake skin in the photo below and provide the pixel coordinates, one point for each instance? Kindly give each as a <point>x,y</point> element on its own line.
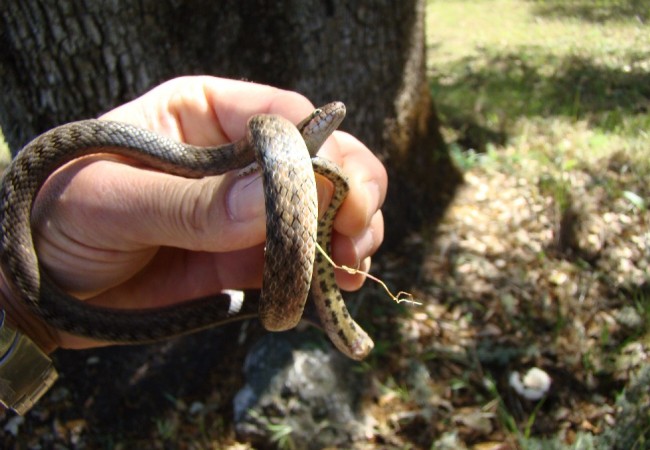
<point>284,153</point>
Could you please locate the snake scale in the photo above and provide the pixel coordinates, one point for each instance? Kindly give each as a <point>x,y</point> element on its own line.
<point>286,156</point>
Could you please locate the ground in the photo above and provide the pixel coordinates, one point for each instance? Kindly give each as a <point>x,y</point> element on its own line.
<point>541,260</point>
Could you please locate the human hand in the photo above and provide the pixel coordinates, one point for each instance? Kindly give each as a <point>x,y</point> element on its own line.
<point>124,236</point>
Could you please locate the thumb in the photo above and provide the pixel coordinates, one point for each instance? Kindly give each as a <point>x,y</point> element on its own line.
<point>106,219</point>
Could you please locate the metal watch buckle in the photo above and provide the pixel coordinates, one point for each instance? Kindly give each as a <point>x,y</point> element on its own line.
<point>26,372</point>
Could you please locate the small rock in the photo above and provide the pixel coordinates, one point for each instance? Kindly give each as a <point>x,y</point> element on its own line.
<point>297,395</point>
<point>533,386</point>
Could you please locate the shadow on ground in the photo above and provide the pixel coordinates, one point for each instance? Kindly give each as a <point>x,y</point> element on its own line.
<point>491,90</point>
<point>590,11</point>
<point>139,396</point>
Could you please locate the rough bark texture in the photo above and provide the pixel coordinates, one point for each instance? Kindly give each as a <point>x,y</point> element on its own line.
<point>63,61</point>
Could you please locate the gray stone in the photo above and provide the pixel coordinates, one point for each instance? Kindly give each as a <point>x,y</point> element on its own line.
<point>297,396</point>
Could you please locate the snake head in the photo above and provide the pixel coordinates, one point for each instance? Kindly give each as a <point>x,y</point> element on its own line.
<point>320,124</point>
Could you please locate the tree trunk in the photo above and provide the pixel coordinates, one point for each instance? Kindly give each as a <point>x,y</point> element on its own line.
<point>64,61</point>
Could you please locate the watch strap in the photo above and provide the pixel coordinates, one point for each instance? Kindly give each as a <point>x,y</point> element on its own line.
<point>26,372</point>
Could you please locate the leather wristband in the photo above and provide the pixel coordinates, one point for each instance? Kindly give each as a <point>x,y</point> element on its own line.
<point>26,372</point>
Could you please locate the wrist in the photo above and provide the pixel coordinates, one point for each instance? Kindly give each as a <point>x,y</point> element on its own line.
<point>26,372</point>
<point>18,317</point>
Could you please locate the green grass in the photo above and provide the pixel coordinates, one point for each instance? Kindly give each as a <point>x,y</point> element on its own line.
<point>543,77</point>
<point>542,91</point>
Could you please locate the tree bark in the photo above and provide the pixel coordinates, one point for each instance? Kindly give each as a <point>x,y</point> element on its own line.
<point>64,61</point>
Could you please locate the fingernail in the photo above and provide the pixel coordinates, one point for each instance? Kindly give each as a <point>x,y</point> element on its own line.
<point>374,195</point>
<point>245,201</point>
<point>325,192</point>
<point>365,264</point>
<point>363,245</point>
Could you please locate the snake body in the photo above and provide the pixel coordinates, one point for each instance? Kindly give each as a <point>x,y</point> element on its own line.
<point>285,155</point>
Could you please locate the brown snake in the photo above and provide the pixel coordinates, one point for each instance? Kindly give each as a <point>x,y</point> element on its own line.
<point>285,154</point>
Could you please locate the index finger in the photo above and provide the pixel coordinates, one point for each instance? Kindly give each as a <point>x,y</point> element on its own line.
<point>205,110</point>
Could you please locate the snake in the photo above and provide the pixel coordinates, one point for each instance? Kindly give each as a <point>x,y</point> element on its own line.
<point>285,156</point>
